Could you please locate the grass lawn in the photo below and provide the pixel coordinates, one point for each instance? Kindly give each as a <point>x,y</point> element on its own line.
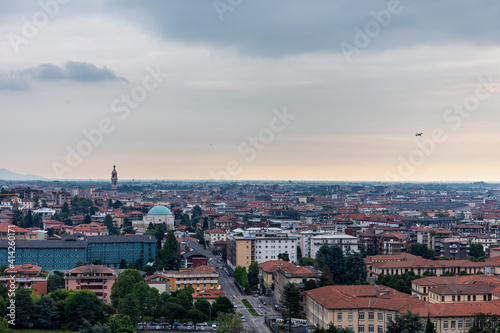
<point>250,308</point>
<point>10,330</point>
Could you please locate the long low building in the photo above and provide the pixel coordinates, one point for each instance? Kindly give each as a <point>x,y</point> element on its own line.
<point>66,252</point>
<point>403,263</point>
<point>367,309</point>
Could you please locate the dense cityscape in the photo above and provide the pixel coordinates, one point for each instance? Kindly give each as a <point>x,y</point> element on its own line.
<point>255,256</point>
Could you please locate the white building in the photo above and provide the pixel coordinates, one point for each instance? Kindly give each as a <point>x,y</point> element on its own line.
<point>157,215</point>
<point>346,242</point>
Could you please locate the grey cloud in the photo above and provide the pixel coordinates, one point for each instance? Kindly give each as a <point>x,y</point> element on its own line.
<point>73,71</point>
<point>284,27</point>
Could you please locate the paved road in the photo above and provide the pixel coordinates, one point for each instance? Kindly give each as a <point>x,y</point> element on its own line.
<point>233,293</point>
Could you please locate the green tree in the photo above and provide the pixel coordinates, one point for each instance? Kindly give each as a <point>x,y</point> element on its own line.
<point>87,219</point>
<point>429,327</point>
<point>109,223</point>
<point>168,257</point>
<point>203,305</point>
<point>124,285</point>
<point>129,305</point>
<point>333,257</point>
<point>408,322</point>
<point>24,307</point>
<point>196,316</point>
<point>222,305</point>
<point>230,323</point>
<point>84,304</point>
<point>121,324</point>
<point>332,329</point>
<point>422,250</point>
<point>123,264</point>
<point>196,211</point>
<point>88,328</point>
<point>224,253</point>
<point>290,302</point>
<point>45,313</point>
<point>355,268</point>
<point>299,253</point>
<point>28,220</point>
<point>3,325</point>
<point>55,281</point>
<point>172,312</point>
<point>117,204</point>
<point>253,275</point>
<point>306,261</point>
<point>476,250</point>
<point>284,256</point>
<point>310,284</point>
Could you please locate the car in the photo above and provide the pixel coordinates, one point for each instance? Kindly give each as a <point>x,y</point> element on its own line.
<point>202,324</point>
<point>259,306</point>
<point>189,327</point>
<point>214,326</point>
<point>256,295</point>
<point>177,324</point>
<point>243,318</point>
<point>264,302</point>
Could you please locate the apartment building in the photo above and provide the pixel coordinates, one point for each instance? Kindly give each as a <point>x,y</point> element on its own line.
<point>26,276</point>
<point>96,278</point>
<point>297,275</point>
<point>455,248</point>
<point>346,242</point>
<point>260,245</point>
<point>200,278</point>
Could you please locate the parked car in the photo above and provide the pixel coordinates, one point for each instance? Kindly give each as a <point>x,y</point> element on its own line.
<point>177,324</point>
<point>214,326</point>
<point>256,295</point>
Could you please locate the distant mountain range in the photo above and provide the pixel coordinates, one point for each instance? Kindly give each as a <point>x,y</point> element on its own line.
<point>8,175</point>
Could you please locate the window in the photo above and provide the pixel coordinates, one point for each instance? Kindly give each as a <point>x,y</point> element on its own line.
<point>361,328</point>
<point>371,329</point>
<point>379,329</point>
<point>435,324</point>
<point>453,325</point>
<point>362,317</point>
<point>442,298</point>
<point>453,298</point>
<point>445,325</point>
<point>339,316</point>
<point>474,297</point>
<point>380,316</point>
<point>467,324</point>
<point>389,317</point>
<point>371,316</point>
<point>460,325</point>
<point>349,316</point>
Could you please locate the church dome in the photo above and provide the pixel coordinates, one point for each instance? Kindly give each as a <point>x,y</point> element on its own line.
<point>159,210</point>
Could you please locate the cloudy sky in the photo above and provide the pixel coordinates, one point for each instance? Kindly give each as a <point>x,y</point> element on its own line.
<point>251,89</point>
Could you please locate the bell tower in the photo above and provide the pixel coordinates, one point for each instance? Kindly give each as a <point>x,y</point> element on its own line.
<point>114,183</point>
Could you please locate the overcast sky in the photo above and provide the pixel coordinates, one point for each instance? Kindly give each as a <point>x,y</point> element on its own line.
<point>251,89</point>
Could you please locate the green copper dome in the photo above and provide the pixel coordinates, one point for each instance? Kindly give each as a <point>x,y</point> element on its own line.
<point>159,210</point>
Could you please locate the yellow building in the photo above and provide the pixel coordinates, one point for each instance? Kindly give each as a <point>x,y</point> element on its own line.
<point>200,278</point>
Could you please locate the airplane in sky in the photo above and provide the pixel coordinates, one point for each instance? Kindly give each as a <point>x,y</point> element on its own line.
<point>418,134</point>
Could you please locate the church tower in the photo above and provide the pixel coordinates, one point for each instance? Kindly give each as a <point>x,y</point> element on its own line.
<point>114,183</point>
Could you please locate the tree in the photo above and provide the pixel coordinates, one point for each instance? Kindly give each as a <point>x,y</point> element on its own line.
<point>45,313</point>
<point>299,252</point>
<point>172,311</point>
<point>168,257</point>
<point>429,327</point>
<point>83,304</point>
<point>355,268</point>
<point>222,305</point>
<point>117,204</point>
<point>129,305</point>
<point>55,281</point>
<point>24,307</point>
<point>422,250</point>
<point>230,323</point>
<point>196,211</point>
<point>196,316</point>
<point>123,264</point>
<point>224,253</point>
<point>203,305</point>
<point>408,322</point>
<point>290,302</point>
<point>109,223</point>
<point>88,328</point>
<point>28,221</point>
<point>121,324</point>
<point>253,275</point>
<point>306,261</point>
<point>284,256</point>
<point>124,285</point>
<point>87,219</point>
<point>3,325</point>
<point>310,284</point>
<point>476,250</point>
<point>332,329</point>
<point>333,257</point>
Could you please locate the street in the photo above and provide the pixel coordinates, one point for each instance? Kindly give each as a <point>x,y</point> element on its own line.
<point>232,292</point>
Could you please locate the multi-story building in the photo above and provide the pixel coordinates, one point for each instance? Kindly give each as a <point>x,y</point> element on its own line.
<point>215,237</point>
<point>455,248</point>
<point>160,282</point>
<point>66,252</point>
<point>347,243</point>
<point>96,278</point>
<point>260,245</point>
<point>26,276</point>
<point>267,276</point>
<point>210,295</point>
<point>392,243</point>
<point>369,308</point>
<point>91,229</point>
<point>19,233</point>
<point>200,278</point>
<point>297,275</point>
<point>305,241</point>
<point>446,289</point>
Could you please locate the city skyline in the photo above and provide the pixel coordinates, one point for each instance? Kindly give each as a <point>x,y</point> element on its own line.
<point>251,91</point>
